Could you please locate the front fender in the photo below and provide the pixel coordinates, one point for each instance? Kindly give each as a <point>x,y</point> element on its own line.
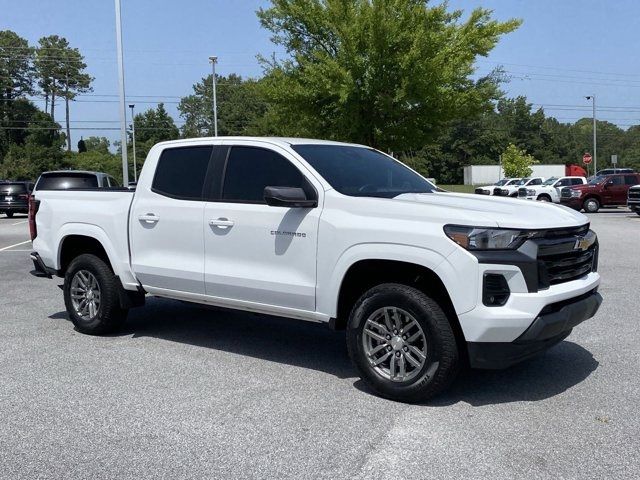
<point>327,298</point>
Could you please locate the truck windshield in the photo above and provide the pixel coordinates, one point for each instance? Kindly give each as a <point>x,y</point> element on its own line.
<point>523,181</point>
<point>363,172</point>
<point>550,181</point>
<point>501,182</point>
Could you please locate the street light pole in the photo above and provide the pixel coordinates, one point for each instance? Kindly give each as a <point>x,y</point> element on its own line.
<point>123,110</point>
<point>595,153</point>
<point>133,139</point>
<point>213,61</point>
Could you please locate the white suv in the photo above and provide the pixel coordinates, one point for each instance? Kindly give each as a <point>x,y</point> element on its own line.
<point>549,191</point>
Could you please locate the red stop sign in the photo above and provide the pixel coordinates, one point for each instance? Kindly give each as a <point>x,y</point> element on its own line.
<point>586,158</point>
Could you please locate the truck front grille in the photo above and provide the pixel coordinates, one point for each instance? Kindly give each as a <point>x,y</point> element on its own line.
<point>522,192</point>
<point>565,192</point>
<point>561,257</point>
<point>481,191</point>
<point>634,194</point>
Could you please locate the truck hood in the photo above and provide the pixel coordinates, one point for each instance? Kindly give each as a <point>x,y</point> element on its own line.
<point>586,187</point>
<point>503,212</point>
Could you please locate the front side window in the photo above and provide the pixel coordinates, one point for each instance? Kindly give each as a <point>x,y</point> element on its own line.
<point>616,180</point>
<point>250,169</point>
<point>363,172</point>
<point>181,172</point>
<point>551,181</point>
<point>535,181</point>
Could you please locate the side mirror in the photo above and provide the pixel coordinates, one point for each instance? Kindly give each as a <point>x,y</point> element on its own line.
<point>609,183</point>
<point>292,197</point>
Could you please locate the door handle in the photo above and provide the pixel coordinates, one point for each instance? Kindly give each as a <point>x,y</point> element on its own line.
<point>149,218</point>
<point>221,223</point>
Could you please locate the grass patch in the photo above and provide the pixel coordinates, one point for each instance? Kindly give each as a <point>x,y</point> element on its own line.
<point>459,188</point>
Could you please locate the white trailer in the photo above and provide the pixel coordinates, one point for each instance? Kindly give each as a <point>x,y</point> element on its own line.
<point>489,174</point>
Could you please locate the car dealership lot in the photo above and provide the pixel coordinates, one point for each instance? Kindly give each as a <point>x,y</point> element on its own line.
<point>185,391</point>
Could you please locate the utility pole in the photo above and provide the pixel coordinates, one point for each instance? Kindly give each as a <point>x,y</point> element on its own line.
<point>213,61</point>
<point>595,154</point>
<point>133,140</point>
<point>123,109</point>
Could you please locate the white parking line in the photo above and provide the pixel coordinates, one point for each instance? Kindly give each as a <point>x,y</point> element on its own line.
<point>15,245</point>
<point>20,223</point>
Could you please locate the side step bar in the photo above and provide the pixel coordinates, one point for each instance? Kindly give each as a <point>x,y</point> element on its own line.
<point>40,269</point>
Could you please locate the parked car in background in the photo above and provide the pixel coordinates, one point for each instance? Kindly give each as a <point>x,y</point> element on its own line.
<point>602,191</point>
<point>490,189</point>
<point>511,190</point>
<point>611,171</point>
<point>549,190</point>
<point>14,197</point>
<point>633,199</point>
<point>68,179</point>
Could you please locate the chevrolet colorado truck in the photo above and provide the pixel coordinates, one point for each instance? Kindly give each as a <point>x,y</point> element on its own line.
<point>601,191</point>
<point>423,281</point>
<point>549,190</point>
<point>633,199</point>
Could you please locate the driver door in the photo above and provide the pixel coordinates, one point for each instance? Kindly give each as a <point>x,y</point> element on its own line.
<point>255,252</point>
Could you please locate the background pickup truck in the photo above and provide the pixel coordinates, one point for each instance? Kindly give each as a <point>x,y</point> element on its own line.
<point>602,191</point>
<point>633,199</point>
<point>421,280</point>
<point>549,190</point>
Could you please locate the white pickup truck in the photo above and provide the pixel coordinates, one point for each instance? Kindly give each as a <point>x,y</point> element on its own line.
<point>328,232</point>
<point>549,190</point>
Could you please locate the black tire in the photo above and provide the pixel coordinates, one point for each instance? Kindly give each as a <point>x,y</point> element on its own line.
<point>9,214</point>
<point>591,205</point>
<point>441,364</point>
<point>109,316</point>
<point>544,198</point>
<point>638,212</point>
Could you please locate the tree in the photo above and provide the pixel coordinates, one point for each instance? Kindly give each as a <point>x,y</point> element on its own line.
<point>516,163</point>
<point>387,73</point>
<point>61,70</point>
<point>97,144</point>
<point>152,126</point>
<point>240,107</point>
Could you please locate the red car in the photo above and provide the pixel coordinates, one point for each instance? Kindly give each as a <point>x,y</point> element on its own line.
<point>600,191</point>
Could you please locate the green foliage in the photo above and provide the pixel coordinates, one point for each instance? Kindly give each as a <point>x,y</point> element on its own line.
<point>97,144</point>
<point>240,107</point>
<point>27,162</point>
<point>387,73</point>
<point>96,161</point>
<point>152,126</point>
<point>516,162</point>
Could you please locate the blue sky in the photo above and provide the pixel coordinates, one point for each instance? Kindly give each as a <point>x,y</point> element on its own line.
<point>564,50</point>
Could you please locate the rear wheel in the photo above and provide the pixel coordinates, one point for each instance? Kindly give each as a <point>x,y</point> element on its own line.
<point>91,296</point>
<point>591,205</point>
<point>402,344</point>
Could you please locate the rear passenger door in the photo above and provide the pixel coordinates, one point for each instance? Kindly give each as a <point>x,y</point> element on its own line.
<point>166,222</point>
<point>254,252</point>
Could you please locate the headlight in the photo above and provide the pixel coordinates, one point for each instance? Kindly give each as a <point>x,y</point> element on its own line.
<point>479,238</point>
<point>531,192</point>
<point>575,193</point>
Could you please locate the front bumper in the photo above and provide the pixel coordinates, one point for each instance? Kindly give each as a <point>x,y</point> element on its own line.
<point>552,325</point>
<point>573,202</point>
<point>633,205</point>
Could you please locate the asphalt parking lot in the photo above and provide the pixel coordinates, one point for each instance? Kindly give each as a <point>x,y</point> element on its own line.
<point>199,393</point>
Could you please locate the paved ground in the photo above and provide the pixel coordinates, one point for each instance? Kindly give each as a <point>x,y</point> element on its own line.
<point>188,392</point>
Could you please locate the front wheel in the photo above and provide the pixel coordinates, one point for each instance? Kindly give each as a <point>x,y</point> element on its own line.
<point>402,343</point>
<point>591,205</point>
<point>544,198</point>
<point>91,296</point>
<point>9,214</point>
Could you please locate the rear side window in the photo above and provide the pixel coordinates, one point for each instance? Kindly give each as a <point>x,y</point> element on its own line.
<point>181,172</point>
<point>576,181</point>
<point>65,181</point>
<point>250,169</point>
<point>630,180</point>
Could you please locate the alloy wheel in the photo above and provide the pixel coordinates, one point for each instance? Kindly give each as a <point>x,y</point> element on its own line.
<point>85,294</point>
